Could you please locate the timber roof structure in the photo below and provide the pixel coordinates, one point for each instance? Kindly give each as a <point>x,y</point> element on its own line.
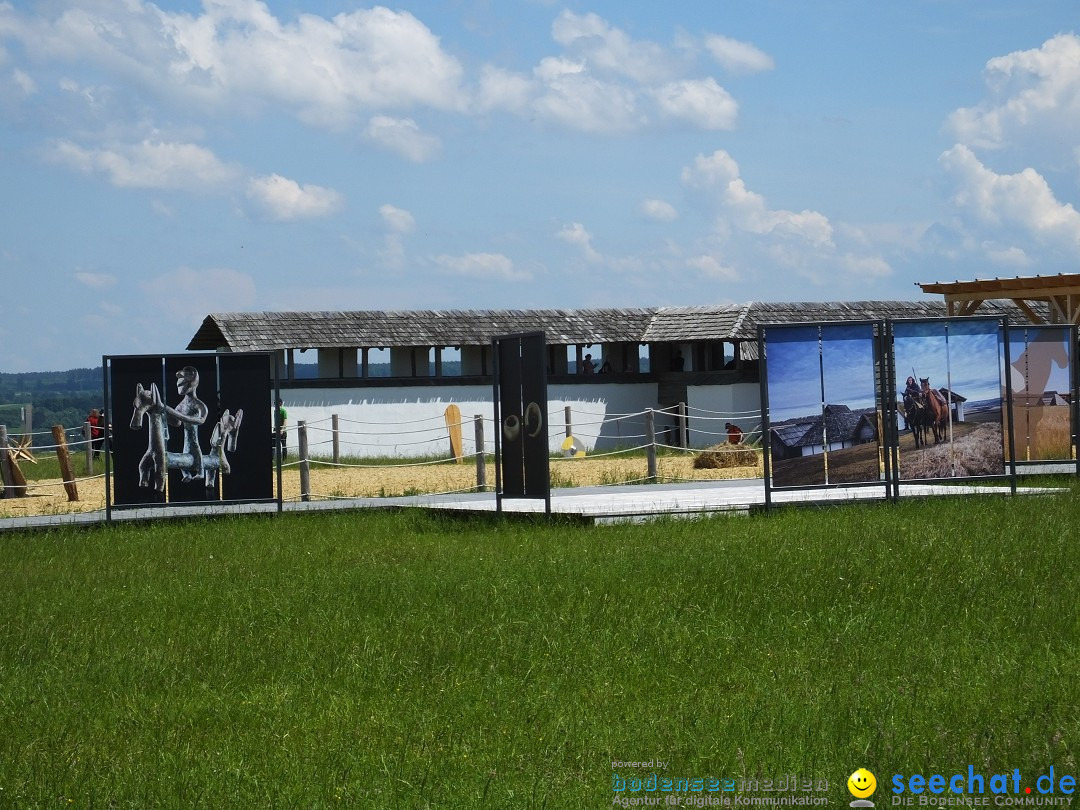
<point>738,323</point>
<point>1043,299</point>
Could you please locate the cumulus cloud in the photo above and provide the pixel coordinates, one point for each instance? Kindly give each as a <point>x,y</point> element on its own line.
<point>575,234</point>
<point>736,56</point>
<point>701,102</point>
<point>404,137</point>
<point>1023,201</point>
<point>747,210</point>
<point>610,50</point>
<point>712,267</point>
<point>397,222</point>
<point>283,199</point>
<point>577,100</point>
<point>396,219</point>
<point>1033,93</point>
<point>659,210</point>
<point>491,266</point>
<point>754,234</point>
<point>96,281</point>
<point>149,164</point>
<point>238,54</point>
<point>374,64</point>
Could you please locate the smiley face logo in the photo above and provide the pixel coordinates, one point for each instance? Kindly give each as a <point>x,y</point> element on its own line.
<point>862,784</point>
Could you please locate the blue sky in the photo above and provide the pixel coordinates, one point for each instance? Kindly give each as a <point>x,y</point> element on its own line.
<point>798,363</point>
<point>162,161</point>
<point>968,362</point>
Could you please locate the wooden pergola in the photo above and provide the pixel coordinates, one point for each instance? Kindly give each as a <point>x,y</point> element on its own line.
<point>1044,299</point>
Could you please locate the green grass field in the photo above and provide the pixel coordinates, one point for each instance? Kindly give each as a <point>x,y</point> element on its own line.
<point>401,660</point>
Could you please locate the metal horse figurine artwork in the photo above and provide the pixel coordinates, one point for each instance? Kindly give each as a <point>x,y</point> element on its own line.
<point>190,413</point>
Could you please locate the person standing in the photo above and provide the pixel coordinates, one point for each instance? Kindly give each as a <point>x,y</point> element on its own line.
<point>282,434</point>
<point>97,431</point>
<point>734,433</point>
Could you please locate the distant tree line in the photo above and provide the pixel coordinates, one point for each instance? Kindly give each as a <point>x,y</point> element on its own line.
<point>58,398</point>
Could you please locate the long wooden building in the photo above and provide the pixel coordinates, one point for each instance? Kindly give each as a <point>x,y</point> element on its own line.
<point>702,358</point>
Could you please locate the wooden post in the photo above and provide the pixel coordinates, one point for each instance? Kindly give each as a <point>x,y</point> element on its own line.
<point>305,467</point>
<point>650,443</point>
<point>337,438</point>
<point>5,460</point>
<point>64,457</point>
<point>453,428</point>
<point>481,465</point>
<point>684,426</point>
<point>89,439</point>
<point>569,427</point>
<point>28,419</point>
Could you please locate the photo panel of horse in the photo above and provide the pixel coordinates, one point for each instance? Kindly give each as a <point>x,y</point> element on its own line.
<point>950,397</point>
<point>823,408</point>
<point>137,436</point>
<point>1041,385</point>
<point>192,409</point>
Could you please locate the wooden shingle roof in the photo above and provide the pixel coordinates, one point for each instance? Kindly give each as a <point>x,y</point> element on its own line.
<point>267,331</point>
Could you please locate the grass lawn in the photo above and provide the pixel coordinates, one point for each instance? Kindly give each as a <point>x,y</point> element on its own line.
<point>405,660</point>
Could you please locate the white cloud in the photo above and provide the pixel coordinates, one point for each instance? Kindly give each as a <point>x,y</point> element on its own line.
<point>659,210</point>
<point>149,164</point>
<point>397,219</point>
<point>701,102</point>
<point>610,50</point>
<point>1034,93</point>
<point>238,54</point>
<point>397,222</point>
<point>747,210</point>
<point>492,266</point>
<point>864,266</point>
<point>575,234</point>
<point>283,199</point>
<point>753,235</point>
<point>24,82</point>
<point>579,101</point>
<point>736,56</point>
<point>713,268</point>
<point>504,89</point>
<point>404,137</point>
<point>96,281</point>
<point>181,296</point>
<point>1011,257</point>
<point>1022,201</point>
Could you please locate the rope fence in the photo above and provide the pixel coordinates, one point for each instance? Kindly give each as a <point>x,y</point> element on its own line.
<point>341,443</point>
<point>641,438</point>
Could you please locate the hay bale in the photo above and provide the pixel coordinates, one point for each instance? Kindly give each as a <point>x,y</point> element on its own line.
<point>723,456</point>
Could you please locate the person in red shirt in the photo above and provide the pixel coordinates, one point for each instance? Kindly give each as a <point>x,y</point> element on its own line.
<point>734,433</point>
<point>97,431</point>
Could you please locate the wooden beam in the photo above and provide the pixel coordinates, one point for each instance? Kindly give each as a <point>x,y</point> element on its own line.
<point>1055,306</point>
<point>1032,315</point>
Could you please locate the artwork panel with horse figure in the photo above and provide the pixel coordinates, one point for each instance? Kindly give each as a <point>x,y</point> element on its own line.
<point>949,390</point>
<point>1040,373</point>
<point>793,386</point>
<point>173,442</point>
<point>191,411</point>
<point>135,386</point>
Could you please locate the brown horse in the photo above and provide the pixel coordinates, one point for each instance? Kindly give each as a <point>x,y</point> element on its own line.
<point>935,405</point>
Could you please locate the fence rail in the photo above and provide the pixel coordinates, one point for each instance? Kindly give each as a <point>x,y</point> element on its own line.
<point>320,443</point>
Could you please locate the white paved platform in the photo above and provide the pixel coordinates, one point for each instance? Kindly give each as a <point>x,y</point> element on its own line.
<point>613,503</point>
